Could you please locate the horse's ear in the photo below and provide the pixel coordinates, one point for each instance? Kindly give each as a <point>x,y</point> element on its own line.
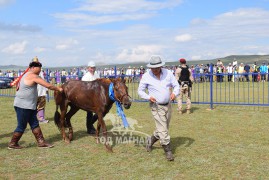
<point>123,80</point>
<point>113,80</point>
<point>118,79</point>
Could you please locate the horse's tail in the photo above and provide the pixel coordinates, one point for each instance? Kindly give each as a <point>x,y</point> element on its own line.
<point>58,97</point>
<point>57,119</point>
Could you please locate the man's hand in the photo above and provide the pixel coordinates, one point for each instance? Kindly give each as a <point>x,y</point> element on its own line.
<point>172,97</point>
<point>152,99</point>
<point>60,89</point>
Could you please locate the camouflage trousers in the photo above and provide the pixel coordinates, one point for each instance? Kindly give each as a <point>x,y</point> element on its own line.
<point>184,91</point>
<point>41,103</point>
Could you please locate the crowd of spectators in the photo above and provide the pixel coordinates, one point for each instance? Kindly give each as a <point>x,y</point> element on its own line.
<point>231,72</point>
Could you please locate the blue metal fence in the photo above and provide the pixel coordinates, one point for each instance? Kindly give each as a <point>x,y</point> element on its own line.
<point>212,88</point>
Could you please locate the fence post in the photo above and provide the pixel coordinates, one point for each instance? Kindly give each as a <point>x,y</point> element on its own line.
<point>78,74</point>
<point>211,86</point>
<point>47,78</point>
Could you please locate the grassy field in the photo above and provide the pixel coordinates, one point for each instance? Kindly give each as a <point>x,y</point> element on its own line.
<point>224,143</point>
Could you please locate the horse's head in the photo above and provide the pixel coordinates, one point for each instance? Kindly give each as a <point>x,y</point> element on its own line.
<point>121,92</point>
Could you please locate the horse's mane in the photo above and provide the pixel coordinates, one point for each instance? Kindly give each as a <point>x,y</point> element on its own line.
<point>104,80</point>
<point>107,81</point>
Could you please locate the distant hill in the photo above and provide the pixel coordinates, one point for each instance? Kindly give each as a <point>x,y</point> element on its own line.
<point>250,59</point>
<point>246,59</point>
<point>12,67</point>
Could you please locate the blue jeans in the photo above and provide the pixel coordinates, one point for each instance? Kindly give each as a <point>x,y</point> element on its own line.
<point>25,116</point>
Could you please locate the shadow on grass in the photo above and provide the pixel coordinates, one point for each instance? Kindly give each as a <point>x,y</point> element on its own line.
<point>194,109</point>
<point>76,135</point>
<point>6,135</point>
<point>3,145</point>
<point>180,141</point>
<point>10,134</point>
<point>177,142</point>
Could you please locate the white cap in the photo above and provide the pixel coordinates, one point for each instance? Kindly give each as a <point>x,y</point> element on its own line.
<point>91,64</point>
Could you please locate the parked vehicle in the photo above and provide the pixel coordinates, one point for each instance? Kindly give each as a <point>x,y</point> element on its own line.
<point>3,84</point>
<point>7,81</point>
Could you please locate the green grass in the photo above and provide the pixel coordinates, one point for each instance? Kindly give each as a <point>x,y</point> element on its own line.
<point>224,143</point>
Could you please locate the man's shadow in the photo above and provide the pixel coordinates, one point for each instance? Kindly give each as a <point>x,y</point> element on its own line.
<point>181,141</point>
<point>194,109</point>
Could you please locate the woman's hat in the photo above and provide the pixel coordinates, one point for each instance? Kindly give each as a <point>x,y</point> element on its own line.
<point>155,62</point>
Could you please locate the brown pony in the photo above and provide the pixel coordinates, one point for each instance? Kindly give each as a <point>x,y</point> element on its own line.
<point>89,96</point>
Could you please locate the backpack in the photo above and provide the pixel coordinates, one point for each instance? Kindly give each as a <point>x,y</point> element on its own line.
<point>184,76</point>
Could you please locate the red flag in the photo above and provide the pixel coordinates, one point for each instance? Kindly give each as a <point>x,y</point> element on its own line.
<point>16,81</point>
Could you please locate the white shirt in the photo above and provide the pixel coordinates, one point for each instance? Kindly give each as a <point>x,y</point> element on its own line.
<point>90,77</point>
<point>230,69</point>
<point>129,72</point>
<point>159,89</point>
<point>41,90</point>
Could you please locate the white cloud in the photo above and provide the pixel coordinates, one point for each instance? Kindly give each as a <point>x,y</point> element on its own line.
<point>123,6</point>
<point>139,54</point>
<point>66,44</point>
<point>16,48</point>
<point>19,27</point>
<point>79,19</point>
<point>183,38</point>
<point>39,49</point>
<point>93,12</point>
<point>196,57</point>
<point>6,2</point>
<point>234,32</point>
<point>240,31</point>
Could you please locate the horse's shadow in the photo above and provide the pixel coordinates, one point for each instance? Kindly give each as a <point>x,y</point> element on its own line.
<point>76,135</point>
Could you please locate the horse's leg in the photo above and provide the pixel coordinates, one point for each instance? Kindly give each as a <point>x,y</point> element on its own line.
<point>98,132</point>
<point>68,116</point>
<point>63,108</point>
<point>103,125</point>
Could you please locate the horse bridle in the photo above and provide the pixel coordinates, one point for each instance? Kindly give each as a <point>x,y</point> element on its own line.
<point>120,99</point>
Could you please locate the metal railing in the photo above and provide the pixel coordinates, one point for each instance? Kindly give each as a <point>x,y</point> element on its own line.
<point>249,89</point>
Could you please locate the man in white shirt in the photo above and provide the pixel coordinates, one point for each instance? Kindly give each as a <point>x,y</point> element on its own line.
<point>129,74</point>
<point>230,70</point>
<point>159,81</point>
<point>91,75</point>
<point>41,100</point>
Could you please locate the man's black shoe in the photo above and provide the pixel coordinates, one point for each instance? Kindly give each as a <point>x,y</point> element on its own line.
<point>91,131</point>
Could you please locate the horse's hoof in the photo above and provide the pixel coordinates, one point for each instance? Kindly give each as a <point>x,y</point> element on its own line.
<point>97,141</point>
<point>109,148</point>
<point>70,137</point>
<point>67,141</point>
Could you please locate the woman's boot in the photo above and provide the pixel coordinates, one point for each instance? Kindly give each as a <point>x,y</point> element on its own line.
<point>40,139</point>
<point>13,144</point>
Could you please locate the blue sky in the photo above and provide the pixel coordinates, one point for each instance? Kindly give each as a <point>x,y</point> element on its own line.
<point>73,32</point>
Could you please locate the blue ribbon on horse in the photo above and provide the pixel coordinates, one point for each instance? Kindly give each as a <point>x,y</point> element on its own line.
<point>118,104</point>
